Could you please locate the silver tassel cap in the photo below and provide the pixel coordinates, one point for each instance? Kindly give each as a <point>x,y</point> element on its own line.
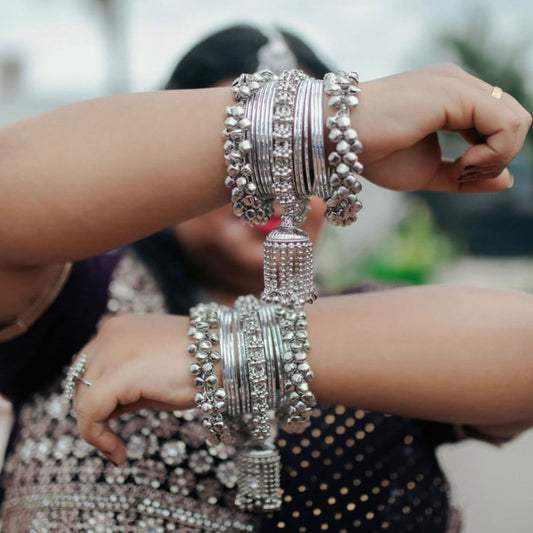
<point>288,267</point>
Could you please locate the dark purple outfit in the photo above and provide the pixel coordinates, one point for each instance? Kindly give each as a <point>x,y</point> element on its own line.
<point>352,470</point>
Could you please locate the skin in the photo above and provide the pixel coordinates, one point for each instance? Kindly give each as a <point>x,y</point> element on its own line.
<point>72,188</point>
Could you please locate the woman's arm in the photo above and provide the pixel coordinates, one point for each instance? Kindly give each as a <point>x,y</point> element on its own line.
<point>443,353</point>
<point>93,176</point>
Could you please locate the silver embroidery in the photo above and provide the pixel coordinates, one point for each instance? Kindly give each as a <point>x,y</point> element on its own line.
<point>56,482</point>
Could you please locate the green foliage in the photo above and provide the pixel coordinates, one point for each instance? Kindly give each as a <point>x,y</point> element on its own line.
<point>409,255</point>
<point>412,253</point>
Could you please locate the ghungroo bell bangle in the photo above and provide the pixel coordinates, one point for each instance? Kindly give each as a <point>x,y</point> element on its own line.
<point>211,400</point>
<point>343,204</point>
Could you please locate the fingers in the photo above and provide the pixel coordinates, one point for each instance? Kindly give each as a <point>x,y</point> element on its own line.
<point>99,435</point>
<point>94,407</point>
<point>501,123</point>
<point>448,178</point>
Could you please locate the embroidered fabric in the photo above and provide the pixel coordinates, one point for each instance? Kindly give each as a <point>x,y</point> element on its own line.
<point>343,471</point>
<point>172,480</point>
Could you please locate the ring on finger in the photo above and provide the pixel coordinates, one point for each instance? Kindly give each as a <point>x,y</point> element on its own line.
<point>496,92</point>
<point>75,374</point>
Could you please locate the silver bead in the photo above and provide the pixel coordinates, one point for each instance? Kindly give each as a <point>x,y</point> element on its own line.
<point>195,369</point>
<point>211,380</point>
<point>343,170</point>
<point>342,147</point>
<point>343,122</point>
<point>334,158</point>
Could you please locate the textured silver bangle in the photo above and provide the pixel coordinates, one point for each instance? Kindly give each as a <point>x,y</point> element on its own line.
<point>266,323</point>
<point>279,350</point>
<point>294,417</point>
<point>229,363</point>
<point>244,381</point>
<point>263,136</point>
<point>299,146</point>
<point>248,307</point>
<point>252,114</point>
<point>343,204</point>
<point>250,207</point>
<point>317,140</point>
<point>309,174</point>
<point>211,400</point>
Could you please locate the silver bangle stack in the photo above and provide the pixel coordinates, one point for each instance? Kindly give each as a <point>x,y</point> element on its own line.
<point>275,153</point>
<point>263,350</point>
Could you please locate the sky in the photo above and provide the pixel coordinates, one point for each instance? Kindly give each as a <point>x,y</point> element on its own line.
<point>62,47</point>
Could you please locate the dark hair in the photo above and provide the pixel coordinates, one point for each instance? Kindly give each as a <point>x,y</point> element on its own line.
<point>222,55</point>
<point>231,51</point>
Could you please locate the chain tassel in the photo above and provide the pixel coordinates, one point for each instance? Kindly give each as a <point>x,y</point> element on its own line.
<point>258,478</point>
<point>288,267</point>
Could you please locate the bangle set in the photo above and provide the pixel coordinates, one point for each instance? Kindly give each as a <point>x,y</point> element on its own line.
<point>275,153</point>
<point>263,351</point>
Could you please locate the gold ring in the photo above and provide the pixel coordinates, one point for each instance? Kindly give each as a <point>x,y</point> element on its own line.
<point>496,93</point>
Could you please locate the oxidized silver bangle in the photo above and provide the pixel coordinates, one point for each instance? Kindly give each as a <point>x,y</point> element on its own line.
<point>301,185</point>
<point>266,323</point>
<point>250,207</point>
<point>248,307</point>
<point>267,138</point>
<point>229,363</point>
<point>244,381</point>
<point>261,115</point>
<point>308,169</point>
<point>343,205</point>
<point>322,187</point>
<point>211,400</point>
<point>300,400</point>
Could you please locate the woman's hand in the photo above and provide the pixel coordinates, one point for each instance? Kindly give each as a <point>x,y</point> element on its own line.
<point>135,362</point>
<point>398,118</point>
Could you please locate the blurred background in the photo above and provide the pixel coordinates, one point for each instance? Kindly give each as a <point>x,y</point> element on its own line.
<point>54,52</point>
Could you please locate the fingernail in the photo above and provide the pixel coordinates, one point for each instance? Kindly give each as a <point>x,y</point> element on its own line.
<point>107,456</point>
<point>466,179</point>
<point>511,183</point>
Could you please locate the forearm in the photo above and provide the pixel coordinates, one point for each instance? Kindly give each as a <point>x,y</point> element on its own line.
<point>380,351</point>
<point>93,176</point>
<point>443,353</point>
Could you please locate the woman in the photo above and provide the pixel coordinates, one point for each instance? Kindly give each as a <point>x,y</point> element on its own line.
<point>353,469</point>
